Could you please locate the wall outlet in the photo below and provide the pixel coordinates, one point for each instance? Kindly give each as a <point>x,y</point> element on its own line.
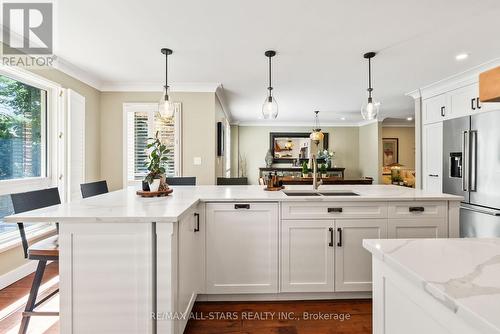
<point>197,161</point>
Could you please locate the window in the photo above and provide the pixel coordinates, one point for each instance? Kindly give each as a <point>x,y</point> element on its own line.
<point>25,147</point>
<point>141,122</point>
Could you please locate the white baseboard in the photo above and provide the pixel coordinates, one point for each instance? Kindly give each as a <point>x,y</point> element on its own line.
<point>18,273</point>
<point>285,296</point>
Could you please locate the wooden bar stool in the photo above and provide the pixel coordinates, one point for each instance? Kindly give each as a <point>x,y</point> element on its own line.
<point>41,251</point>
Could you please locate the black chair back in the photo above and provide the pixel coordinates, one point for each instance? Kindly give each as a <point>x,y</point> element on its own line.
<point>181,181</point>
<point>232,181</point>
<point>33,200</point>
<point>93,188</point>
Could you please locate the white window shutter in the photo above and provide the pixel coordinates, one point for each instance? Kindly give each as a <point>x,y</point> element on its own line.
<point>75,144</point>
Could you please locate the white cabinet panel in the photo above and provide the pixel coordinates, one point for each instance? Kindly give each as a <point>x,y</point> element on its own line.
<point>417,228</point>
<point>463,101</point>
<point>333,210</point>
<point>191,264</point>
<point>242,247</point>
<point>353,264</point>
<point>307,256</point>
<point>435,109</point>
<point>432,157</point>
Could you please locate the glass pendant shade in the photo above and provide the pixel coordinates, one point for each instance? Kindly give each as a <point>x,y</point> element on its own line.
<point>270,108</point>
<point>317,135</point>
<point>166,107</point>
<point>369,110</point>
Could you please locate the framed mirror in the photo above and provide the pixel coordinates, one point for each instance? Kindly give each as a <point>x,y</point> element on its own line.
<point>286,147</point>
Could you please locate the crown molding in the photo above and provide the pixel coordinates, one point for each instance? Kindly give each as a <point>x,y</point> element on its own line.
<point>455,81</point>
<point>77,73</point>
<point>193,87</point>
<point>296,125</point>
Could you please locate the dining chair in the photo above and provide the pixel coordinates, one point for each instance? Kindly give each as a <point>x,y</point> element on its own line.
<point>181,181</point>
<point>94,188</point>
<point>232,181</point>
<point>41,251</point>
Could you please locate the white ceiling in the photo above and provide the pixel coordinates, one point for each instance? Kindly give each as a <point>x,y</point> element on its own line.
<point>319,43</point>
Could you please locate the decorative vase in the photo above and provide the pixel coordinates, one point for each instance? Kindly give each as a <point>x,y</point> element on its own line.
<point>305,175</point>
<point>145,186</point>
<point>163,183</point>
<point>269,159</point>
<point>155,185</point>
<point>324,175</point>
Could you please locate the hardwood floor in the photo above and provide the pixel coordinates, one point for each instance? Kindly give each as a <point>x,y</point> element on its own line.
<point>13,299</point>
<point>283,317</point>
<point>287,317</point>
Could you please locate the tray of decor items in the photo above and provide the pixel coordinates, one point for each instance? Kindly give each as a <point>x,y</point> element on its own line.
<point>274,183</point>
<point>154,185</point>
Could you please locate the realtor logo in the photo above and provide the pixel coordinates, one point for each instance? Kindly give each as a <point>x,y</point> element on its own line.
<point>27,28</point>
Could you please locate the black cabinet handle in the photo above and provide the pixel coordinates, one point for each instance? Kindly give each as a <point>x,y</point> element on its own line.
<point>330,244</point>
<point>339,230</point>
<point>335,210</point>
<point>197,228</point>
<point>443,111</point>
<point>242,206</point>
<point>416,209</point>
<point>433,175</point>
<point>477,103</point>
<point>473,107</point>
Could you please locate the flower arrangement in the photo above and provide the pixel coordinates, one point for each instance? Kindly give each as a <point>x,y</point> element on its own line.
<point>327,156</point>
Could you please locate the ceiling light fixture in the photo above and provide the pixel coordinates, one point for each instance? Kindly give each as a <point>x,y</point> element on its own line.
<point>409,119</point>
<point>369,111</point>
<point>342,118</point>
<point>270,107</point>
<point>461,56</point>
<point>316,134</point>
<point>166,107</point>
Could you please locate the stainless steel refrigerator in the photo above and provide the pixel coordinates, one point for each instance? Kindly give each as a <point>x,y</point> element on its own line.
<point>471,168</point>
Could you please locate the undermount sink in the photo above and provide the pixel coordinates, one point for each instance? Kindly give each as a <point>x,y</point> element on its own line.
<point>320,193</point>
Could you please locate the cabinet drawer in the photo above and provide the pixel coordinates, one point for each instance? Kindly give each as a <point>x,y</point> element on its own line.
<point>417,228</point>
<point>329,210</point>
<point>418,209</point>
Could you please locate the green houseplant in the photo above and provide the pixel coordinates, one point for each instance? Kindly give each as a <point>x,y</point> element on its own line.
<point>305,169</point>
<point>323,169</point>
<point>155,162</point>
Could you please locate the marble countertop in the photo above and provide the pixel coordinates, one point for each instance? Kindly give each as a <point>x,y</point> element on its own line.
<point>462,274</point>
<point>125,205</point>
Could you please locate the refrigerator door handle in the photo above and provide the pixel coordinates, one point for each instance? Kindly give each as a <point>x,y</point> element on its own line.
<point>473,160</point>
<point>465,155</point>
<point>484,211</point>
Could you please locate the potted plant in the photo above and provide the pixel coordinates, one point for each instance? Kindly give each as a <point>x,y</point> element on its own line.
<point>305,169</point>
<point>155,162</point>
<point>323,169</point>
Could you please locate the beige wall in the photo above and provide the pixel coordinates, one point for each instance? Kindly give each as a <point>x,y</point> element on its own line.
<point>369,146</point>
<point>92,118</point>
<point>254,142</point>
<point>198,133</point>
<point>220,162</point>
<point>235,151</point>
<point>406,151</point>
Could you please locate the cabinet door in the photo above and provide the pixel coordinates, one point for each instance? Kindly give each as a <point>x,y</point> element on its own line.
<point>242,247</point>
<point>463,101</point>
<point>307,255</point>
<point>191,264</point>
<point>432,157</point>
<point>353,263</point>
<point>435,109</point>
<point>417,228</point>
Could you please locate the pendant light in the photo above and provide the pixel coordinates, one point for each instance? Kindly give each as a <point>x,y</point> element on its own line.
<point>316,134</point>
<point>166,107</point>
<point>270,107</point>
<point>369,111</point>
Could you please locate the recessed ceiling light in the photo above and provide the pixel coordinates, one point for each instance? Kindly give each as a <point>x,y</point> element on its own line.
<point>461,56</point>
<point>342,118</point>
<point>409,119</point>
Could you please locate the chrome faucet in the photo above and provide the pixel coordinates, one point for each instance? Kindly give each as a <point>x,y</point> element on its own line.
<point>316,184</point>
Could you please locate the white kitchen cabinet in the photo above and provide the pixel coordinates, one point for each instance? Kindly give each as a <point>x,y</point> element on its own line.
<point>307,248</point>
<point>432,157</point>
<point>435,109</point>
<point>353,263</point>
<point>191,260</point>
<point>464,100</point>
<point>423,227</point>
<point>242,248</point>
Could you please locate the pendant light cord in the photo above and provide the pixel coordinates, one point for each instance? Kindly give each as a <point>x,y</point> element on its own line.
<point>166,71</point>
<point>370,78</point>
<point>270,88</point>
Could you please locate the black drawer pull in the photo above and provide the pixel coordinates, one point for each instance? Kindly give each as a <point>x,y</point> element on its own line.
<point>416,209</point>
<point>242,206</point>
<point>336,210</point>
<point>339,244</point>
<point>477,103</point>
<point>197,228</point>
<point>330,244</point>
<point>443,111</point>
<point>472,106</point>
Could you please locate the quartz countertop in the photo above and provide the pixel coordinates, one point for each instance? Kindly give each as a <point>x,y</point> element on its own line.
<point>462,274</point>
<point>125,205</point>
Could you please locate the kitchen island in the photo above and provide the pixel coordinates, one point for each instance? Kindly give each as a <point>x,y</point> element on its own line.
<point>136,265</point>
<point>436,286</point>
